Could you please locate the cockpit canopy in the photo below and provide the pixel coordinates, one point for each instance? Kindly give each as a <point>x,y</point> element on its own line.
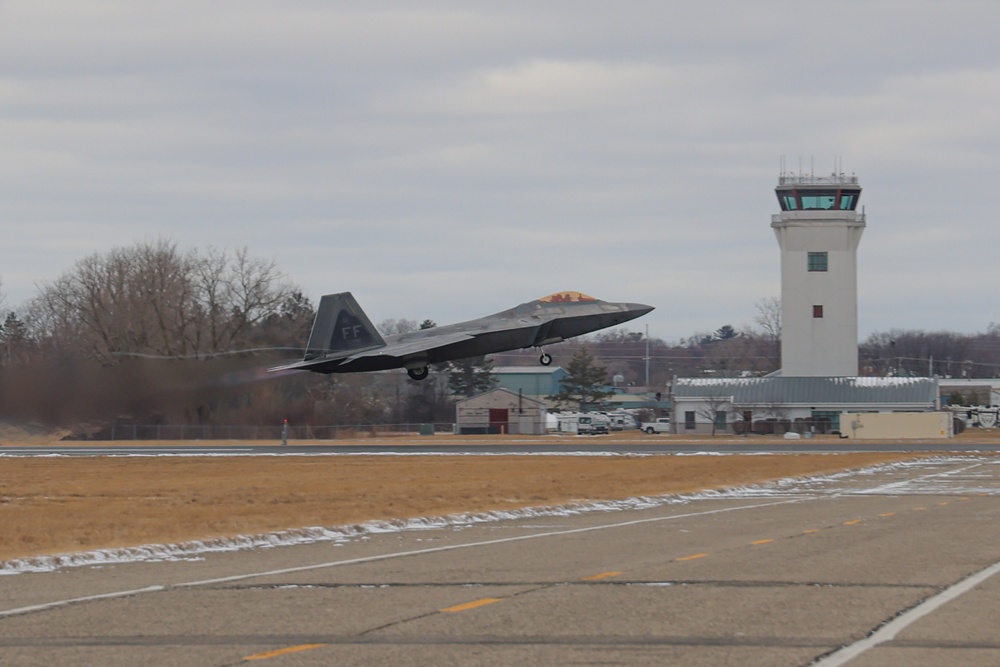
<point>566,297</point>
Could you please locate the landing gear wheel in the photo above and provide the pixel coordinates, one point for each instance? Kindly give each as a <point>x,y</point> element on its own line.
<point>417,373</point>
<point>545,359</point>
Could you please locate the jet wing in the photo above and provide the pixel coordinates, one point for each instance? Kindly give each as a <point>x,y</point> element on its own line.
<point>395,350</point>
<point>408,348</point>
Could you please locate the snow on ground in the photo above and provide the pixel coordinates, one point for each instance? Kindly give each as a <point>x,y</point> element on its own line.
<point>805,487</point>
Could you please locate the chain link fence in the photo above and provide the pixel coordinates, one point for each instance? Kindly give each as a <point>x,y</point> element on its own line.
<point>276,432</point>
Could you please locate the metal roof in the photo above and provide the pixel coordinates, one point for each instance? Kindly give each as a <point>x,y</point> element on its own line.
<point>812,390</point>
<point>527,370</point>
<point>502,390</point>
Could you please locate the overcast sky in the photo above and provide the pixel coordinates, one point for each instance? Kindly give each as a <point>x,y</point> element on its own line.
<point>449,160</point>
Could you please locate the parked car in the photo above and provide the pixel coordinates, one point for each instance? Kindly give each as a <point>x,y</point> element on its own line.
<point>587,423</point>
<point>660,425</point>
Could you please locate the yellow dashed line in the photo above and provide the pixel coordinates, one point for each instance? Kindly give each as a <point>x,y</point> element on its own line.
<point>692,557</point>
<point>888,514</point>
<point>811,530</point>
<point>469,605</point>
<point>602,575</point>
<point>756,542</point>
<point>282,651</point>
<point>947,502</point>
<point>851,523</point>
<point>919,509</point>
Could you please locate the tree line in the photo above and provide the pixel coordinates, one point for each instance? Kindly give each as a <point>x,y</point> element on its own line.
<point>152,333</point>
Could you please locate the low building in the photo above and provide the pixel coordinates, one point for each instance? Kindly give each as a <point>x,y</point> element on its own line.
<point>802,404</point>
<point>900,426</point>
<point>500,411</point>
<point>635,400</point>
<point>970,391</point>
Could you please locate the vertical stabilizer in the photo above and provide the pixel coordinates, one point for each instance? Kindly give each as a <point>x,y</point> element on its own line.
<point>341,326</point>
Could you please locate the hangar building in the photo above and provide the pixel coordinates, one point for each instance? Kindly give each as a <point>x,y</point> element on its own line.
<point>501,411</point>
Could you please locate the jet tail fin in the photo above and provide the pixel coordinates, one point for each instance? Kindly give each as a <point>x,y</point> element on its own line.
<point>341,327</point>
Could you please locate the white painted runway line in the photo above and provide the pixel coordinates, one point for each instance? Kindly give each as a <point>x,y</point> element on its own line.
<point>949,481</point>
<point>86,598</point>
<point>388,556</point>
<point>954,481</point>
<point>889,631</point>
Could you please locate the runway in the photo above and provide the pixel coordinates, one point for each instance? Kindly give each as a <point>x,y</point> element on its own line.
<point>615,444</point>
<point>795,574</point>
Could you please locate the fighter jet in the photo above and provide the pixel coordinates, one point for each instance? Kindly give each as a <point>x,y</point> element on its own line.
<point>343,339</point>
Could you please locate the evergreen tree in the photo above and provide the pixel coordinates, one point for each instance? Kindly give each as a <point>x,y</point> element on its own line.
<point>468,377</point>
<point>13,339</point>
<point>725,332</point>
<point>586,382</point>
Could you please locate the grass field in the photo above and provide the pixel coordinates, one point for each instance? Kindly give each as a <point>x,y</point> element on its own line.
<point>61,505</point>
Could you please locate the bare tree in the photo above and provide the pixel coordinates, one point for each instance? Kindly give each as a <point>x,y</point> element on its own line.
<point>256,289</point>
<point>768,320</point>
<point>922,353</point>
<point>128,300</point>
<point>769,317</point>
<point>161,297</point>
<point>739,356</point>
<point>742,419</point>
<point>776,412</point>
<point>715,407</point>
<point>208,272</point>
<point>151,299</point>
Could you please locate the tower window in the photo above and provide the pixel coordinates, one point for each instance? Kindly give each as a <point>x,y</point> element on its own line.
<point>817,311</point>
<point>818,200</point>
<point>788,201</point>
<point>817,261</point>
<point>849,199</point>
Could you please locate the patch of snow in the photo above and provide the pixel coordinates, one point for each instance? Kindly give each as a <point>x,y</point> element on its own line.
<point>195,550</point>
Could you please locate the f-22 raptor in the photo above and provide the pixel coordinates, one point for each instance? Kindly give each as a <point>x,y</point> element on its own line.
<point>343,339</point>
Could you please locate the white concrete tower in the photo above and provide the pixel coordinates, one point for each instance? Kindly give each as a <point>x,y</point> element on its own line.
<point>819,230</point>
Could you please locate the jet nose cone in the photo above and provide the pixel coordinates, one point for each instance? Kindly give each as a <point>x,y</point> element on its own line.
<point>634,310</point>
<point>638,309</point>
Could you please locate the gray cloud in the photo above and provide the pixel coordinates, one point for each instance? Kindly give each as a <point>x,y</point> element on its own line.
<point>445,160</point>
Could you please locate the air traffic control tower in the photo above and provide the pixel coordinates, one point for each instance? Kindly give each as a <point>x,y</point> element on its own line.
<point>819,230</point>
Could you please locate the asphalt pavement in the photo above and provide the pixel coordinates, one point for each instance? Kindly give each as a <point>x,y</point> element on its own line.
<point>894,565</point>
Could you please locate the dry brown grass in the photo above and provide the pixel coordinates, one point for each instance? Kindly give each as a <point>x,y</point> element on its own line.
<point>60,505</point>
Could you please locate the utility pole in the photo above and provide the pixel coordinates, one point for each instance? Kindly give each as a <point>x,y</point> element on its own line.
<point>647,357</point>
